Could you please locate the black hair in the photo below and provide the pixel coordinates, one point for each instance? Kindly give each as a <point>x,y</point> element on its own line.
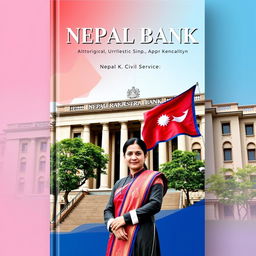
<point>138,141</point>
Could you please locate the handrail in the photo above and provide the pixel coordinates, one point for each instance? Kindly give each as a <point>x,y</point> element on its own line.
<point>67,209</point>
<point>181,200</point>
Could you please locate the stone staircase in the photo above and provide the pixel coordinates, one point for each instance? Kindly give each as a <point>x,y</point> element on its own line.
<point>91,207</point>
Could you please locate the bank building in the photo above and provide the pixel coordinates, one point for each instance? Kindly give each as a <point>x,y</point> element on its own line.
<point>110,124</point>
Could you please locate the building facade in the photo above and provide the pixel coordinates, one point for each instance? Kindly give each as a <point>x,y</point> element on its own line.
<point>24,158</point>
<point>231,144</point>
<point>110,124</point>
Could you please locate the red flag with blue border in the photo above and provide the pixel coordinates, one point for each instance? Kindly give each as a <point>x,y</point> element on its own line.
<point>170,119</point>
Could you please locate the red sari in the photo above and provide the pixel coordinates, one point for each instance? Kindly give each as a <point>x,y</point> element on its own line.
<point>132,196</point>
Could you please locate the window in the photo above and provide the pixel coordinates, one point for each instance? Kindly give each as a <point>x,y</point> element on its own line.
<point>42,164</point>
<point>229,174</point>
<point>228,211</point>
<point>227,151</point>
<point>43,146</point>
<point>251,152</point>
<point>226,128</point>
<point>251,155</point>
<point>249,130</point>
<point>227,154</point>
<point>77,135</point>
<point>228,177</point>
<point>196,148</point>
<point>198,153</point>
<point>24,147</point>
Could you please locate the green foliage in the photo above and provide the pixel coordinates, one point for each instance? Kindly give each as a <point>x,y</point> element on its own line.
<point>184,172</point>
<point>73,162</point>
<point>237,189</point>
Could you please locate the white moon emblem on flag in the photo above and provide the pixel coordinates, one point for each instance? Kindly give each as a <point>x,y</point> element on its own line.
<point>180,119</point>
<point>163,120</point>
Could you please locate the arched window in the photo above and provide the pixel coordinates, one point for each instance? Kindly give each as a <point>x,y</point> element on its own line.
<point>196,148</point>
<point>251,152</point>
<point>40,185</point>
<point>23,164</point>
<point>227,151</point>
<point>229,173</point>
<point>42,163</point>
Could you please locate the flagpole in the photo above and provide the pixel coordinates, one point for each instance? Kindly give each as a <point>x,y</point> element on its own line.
<point>197,86</point>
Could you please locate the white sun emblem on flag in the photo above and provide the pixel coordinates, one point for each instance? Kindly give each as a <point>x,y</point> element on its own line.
<point>163,120</point>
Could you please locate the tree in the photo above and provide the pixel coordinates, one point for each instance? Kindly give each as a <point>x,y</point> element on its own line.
<point>73,162</point>
<point>235,189</point>
<point>184,172</point>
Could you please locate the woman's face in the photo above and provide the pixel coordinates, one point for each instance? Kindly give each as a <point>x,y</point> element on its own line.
<point>134,158</point>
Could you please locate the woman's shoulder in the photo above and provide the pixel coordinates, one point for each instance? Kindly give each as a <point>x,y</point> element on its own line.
<point>121,181</point>
<point>153,172</point>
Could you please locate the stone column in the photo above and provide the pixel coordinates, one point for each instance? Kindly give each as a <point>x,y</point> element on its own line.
<point>63,132</point>
<point>147,162</point>
<point>202,131</point>
<point>30,175</point>
<point>112,160</point>
<point>141,128</point>
<point>236,143</point>
<point>169,151</point>
<point>105,146</point>
<point>182,142</point>
<point>123,139</point>
<point>86,139</point>
<point>86,133</point>
<point>209,144</point>
<point>162,153</point>
<point>94,180</point>
<point>151,164</point>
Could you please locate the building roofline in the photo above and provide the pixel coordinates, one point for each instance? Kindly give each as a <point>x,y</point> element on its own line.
<point>113,101</point>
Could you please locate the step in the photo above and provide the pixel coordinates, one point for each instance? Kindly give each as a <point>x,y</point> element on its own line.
<point>90,210</point>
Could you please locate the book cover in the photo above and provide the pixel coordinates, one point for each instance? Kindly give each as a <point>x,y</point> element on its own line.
<point>111,62</point>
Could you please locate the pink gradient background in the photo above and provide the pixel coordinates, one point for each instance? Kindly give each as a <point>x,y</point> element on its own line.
<point>24,98</point>
<point>77,75</point>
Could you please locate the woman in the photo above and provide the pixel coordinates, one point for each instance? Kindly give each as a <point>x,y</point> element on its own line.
<point>129,214</point>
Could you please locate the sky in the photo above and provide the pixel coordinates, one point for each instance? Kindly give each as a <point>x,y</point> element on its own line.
<point>230,51</point>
